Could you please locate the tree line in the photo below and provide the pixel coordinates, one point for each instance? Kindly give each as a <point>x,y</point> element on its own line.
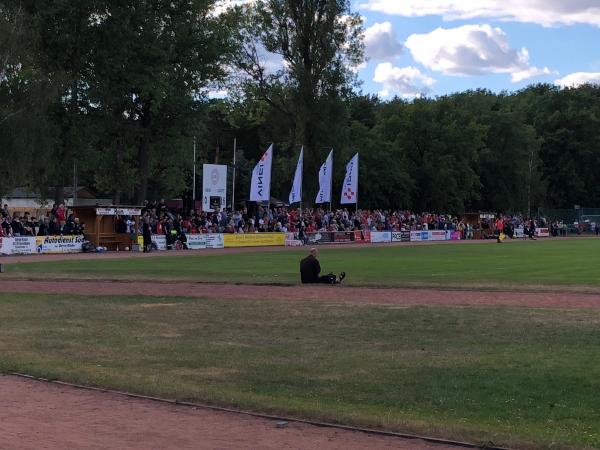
<point>119,90</point>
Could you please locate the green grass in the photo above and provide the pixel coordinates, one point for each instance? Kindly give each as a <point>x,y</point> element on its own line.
<point>515,376</point>
<point>572,263</point>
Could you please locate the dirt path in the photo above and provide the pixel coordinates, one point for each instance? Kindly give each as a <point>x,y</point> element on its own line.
<point>308,293</point>
<point>38,415</point>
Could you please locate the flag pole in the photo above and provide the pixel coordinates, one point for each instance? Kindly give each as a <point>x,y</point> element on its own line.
<point>331,182</point>
<point>357,185</point>
<point>194,177</point>
<point>233,188</point>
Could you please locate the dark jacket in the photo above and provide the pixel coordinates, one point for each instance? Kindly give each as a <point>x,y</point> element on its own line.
<point>310,269</point>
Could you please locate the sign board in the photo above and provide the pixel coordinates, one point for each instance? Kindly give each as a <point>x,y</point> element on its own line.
<point>59,244</point>
<point>254,239</point>
<point>542,232</point>
<point>401,236</point>
<point>202,241</point>
<point>118,211</point>
<point>381,237</point>
<point>214,187</point>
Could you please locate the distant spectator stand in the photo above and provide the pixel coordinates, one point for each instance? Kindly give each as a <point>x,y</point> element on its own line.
<point>100,225</point>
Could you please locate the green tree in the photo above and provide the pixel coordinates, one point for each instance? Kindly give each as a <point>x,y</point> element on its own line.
<point>315,44</point>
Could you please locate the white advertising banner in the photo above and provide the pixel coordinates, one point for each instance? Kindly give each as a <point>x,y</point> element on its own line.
<point>519,232</point>
<point>325,172</point>
<point>542,232</point>
<point>380,237</point>
<point>416,236</point>
<point>194,241</point>
<point>24,245</point>
<point>350,186</point>
<point>296,192</point>
<point>202,241</point>
<point>118,211</point>
<point>214,187</point>
<point>160,240</point>
<point>437,235</point>
<point>260,187</point>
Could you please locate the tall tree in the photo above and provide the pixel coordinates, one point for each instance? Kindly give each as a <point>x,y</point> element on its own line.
<point>153,67</point>
<point>314,45</point>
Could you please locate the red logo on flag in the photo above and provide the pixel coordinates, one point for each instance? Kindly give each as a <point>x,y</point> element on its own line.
<point>349,193</point>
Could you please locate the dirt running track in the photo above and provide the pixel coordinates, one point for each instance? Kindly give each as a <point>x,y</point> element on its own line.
<point>36,415</point>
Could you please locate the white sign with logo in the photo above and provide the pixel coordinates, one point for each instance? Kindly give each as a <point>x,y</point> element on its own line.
<point>202,241</point>
<point>380,237</point>
<point>214,185</point>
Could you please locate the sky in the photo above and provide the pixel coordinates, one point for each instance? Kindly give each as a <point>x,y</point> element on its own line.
<point>437,47</point>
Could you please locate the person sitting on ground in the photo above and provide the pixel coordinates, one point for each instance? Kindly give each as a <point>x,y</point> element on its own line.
<point>310,270</point>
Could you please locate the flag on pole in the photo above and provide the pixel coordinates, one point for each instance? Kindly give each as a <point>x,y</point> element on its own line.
<point>350,186</point>
<point>296,192</point>
<point>260,189</point>
<point>325,172</point>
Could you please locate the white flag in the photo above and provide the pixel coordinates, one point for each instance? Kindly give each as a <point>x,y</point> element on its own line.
<point>296,192</point>
<point>350,186</point>
<point>325,172</point>
<point>260,189</point>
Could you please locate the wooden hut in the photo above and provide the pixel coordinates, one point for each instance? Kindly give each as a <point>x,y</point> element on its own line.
<point>100,225</point>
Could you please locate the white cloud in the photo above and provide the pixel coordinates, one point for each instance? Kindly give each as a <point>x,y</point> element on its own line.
<point>579,78</point>
<point>542,12</point>
<point>381,42</point>
<point>407,82</point>
<point>471,50</point>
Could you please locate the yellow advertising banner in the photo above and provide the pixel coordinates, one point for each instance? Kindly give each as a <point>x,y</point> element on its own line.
<point>254,239</point>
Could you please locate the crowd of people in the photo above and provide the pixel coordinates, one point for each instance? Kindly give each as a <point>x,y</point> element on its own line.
<point>57,221</point>
<point>161,220</point>
<point>158,219</point>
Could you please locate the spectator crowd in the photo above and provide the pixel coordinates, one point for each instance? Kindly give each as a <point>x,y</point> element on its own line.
<point>161,220</point>
<point>58,221</point>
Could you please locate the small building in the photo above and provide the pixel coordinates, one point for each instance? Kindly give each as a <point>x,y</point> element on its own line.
<point>23,200</point>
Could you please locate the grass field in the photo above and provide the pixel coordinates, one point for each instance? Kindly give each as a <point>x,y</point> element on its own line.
<point>515,376</point>
<point>539,264</point>
<point>520,377</point>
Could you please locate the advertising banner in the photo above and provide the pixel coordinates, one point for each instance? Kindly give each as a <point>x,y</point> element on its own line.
<point>59,244</point>
<point>455,236</point>
<point>202,241</point>
<point>542,232</point>
<point>254,239</point>
<point>437,235</point>
<point>401,236</point>
<point>160,241</point>
<point>24,245</point>
<point>381,237</point>
<point>343,237</point>
<point>417,236</point>
<point>324,237</point>
<point>519,233</point>
<point>118,211</point>
<point>194,241</point>
<point>214,186</point>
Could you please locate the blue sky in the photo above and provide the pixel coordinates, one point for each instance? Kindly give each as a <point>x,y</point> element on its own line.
<point>436,47</point>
